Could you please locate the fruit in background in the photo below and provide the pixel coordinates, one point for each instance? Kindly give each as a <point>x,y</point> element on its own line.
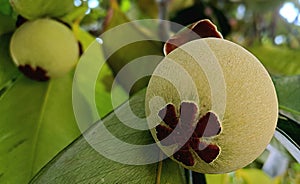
<point>211,106</point>
<point>33,9</point>
<point>44,48</point>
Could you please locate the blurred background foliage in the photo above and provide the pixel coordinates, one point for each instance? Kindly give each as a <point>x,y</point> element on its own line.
<point>268,28</point>
<point>244,21</point>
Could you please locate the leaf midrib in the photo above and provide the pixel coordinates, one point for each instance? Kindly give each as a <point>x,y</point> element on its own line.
<point>39,125</point>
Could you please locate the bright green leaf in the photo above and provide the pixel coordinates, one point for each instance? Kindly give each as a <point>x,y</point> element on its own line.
<point>8,70</point>
<point>37,122</point>
<point>252,176</point>
<point>101,87</point>
<point>217,178</point>
<point>125,5</point>
<point>80,163</point>
<point>93,53</point>
<point>83,37</point>
<point>278,60</point>
<point>76,14</point>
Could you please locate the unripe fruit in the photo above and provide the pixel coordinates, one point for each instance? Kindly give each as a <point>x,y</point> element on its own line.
<point>44,48</point>
<point>33,9</point>
<point>211,106</point>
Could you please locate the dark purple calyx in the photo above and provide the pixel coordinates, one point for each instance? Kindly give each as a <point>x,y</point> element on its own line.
<point>201,29</point>
<point>20,21</point>
<point>187,132</point>
<point>37,73</point>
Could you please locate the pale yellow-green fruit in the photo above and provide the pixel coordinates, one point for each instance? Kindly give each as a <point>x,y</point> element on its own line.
<point>44,48</point>
<point>33,9</point>
<point>224,78</point>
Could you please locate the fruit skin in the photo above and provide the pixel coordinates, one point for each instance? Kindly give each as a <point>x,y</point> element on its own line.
<point>33,9</point>
<point>251,108</point>
<point>44,47</point>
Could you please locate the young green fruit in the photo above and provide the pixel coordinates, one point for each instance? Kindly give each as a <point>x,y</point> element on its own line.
<point>33,9</point>
<point>211,106</point>
<point>44,48</point>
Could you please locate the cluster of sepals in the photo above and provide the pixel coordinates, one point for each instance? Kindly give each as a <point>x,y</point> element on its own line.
<point>189,132</point>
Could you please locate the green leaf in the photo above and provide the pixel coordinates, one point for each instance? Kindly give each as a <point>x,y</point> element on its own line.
<point>36,122</point>
<point>5,8</point>
<point>288,125</point>
<point>7,24</point>
<point>288,92</point>
<point>102,89</point>
<point>85,38</point>
<point>8,70</point>
<point>76,14</point>
<point>253,176</point>
<point>217,178</point>
<point>80,163</point>
<point>278,60</point>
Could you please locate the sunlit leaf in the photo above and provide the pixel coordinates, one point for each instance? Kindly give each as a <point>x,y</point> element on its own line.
<point>80,163</point>
<point>278,60</point>
<point>82,36</point>
<point>217,178</point>
<point>36,121</point>
<point>102,87</point>
<point>253,176</point>
<point>125,5</point>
